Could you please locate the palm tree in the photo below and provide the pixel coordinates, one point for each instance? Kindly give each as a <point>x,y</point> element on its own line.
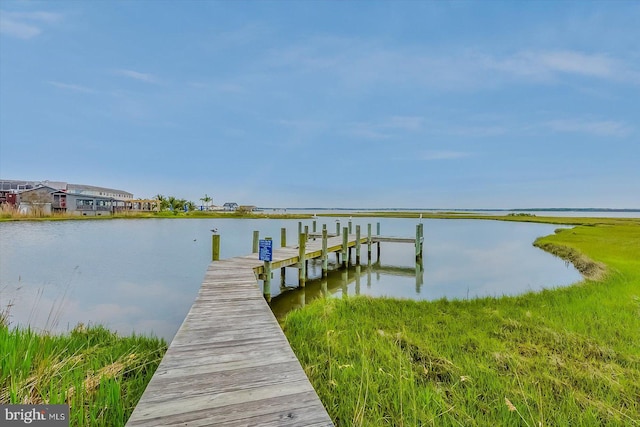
<point>162,201</point>
<point>206,200</point>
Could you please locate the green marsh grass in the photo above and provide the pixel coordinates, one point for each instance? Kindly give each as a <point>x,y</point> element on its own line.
<point>98,373</point>
<point>565,356</point>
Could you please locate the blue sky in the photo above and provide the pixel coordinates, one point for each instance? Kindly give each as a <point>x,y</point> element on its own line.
<point>327,104</point>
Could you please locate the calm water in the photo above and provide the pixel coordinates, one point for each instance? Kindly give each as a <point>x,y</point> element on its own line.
<point>143,275</point>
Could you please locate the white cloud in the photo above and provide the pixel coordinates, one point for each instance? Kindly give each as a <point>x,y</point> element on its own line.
<point>443,155</point>
<point>143,77</point>
<point>72,87</point>
<point>407,123</point>
<point>26,25</point>
<point>545,65</point>
<point>598,128</point>
<point>360,63</point>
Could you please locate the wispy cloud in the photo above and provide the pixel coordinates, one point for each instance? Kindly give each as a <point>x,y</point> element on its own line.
<point>546,65</point>
<point>71,87</point>
<point>357,63</point>
<point>136,75</point>
<point>443,155</point>
<point>229,88</point>
<point>26,25</point>
<point>608,128</point>
<point>386,128</point>
<point>407,123</point>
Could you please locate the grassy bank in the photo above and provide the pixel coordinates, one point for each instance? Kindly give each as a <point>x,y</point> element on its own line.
<point>99,374</point>
<point>569,356</point>
<point>16,216</point>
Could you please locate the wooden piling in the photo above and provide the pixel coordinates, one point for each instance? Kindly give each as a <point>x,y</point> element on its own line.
<point>302,246</point>
<point>377,234</point>
<point>256,241</point>
<point>345,246</point>
<point>417,244</point>
<point>215,247</point>
<point>369,242</point>
<point>283,237</point>
<point>338,228</point>
<point>357,245</point>
<point>314,225</point>
<point>350,226</point>
<point>325,262</point>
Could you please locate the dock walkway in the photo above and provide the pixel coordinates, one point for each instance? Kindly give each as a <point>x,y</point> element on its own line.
<point>230,363</point>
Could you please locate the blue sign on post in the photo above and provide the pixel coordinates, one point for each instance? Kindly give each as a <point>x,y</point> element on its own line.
<point>265,250</point>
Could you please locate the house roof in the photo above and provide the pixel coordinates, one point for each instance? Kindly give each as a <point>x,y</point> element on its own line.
<point>79,188</point>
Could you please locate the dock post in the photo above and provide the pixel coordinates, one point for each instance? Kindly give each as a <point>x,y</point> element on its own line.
<point>325,262</point>
<point>350,226</point>
<point>302,273</point>
<point>418,254</point>
<point>306,230</point>
<point>345,246</point>
<point>283,243</point>
<point>358,273</point>
<point>378,234</point>
<point>357,245</point>
<point>266,283</point>
<point>338,228</point>
<point>314,226</point>
<point>215,247</point>
<point>369,242</point>
<point>421,240</point>
<point>256,240</point>
<point>299,228</point>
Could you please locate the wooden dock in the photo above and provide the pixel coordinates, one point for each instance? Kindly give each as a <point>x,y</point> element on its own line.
<point>230,364</point>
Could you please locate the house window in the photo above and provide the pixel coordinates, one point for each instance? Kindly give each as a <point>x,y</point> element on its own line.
<point>84,204</point>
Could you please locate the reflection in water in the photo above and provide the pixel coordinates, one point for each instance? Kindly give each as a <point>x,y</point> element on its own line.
<point>342,282</point>
<point>143,276</point>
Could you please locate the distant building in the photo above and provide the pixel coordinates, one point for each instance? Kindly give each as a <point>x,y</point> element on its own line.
<point>46,197</point>
<point>46,200</point>
<point>230,206</point>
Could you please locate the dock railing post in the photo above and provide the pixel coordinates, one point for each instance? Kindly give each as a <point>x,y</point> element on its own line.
<point>299,228</point>
<point>266,283</point>
<point>378,234</point>
<point>345,246</point>
<point>256,241</point>
<point>418,254</point>
<point>325,262</point>
<point>421,240</point>
<point>369,241</point>
<point>306,231</point>
<point>350,226</point>
<point>314,226</point>
<point>357,245</point>
<point>215,247</point>
<point>338,228</point>
<point>283,243</point>
<point>302,270</point>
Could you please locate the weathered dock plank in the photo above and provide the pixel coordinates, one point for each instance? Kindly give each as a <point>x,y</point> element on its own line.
<point>230,363</point>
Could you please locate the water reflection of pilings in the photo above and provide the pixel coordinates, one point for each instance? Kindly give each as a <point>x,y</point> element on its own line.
<point>338,281</point>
